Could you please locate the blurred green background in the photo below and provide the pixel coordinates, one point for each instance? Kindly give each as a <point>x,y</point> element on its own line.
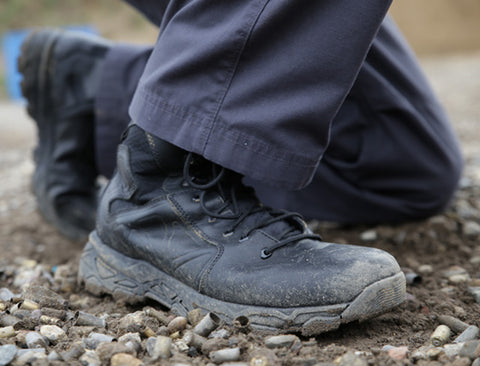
<point>433,27</point>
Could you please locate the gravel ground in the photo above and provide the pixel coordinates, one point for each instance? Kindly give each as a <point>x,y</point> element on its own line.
<point>47,318</point>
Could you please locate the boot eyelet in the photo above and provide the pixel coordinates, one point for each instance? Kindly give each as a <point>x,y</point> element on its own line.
<point>184,184</point>
<point>227,234</point>
<point>196,199</point>
<point>211,220</point>
<point>265,254</point>
<point>245,238</point>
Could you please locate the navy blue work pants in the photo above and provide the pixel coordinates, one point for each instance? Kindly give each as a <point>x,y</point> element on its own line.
<point>320,104</point>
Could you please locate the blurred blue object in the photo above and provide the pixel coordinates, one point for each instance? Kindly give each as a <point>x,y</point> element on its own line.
<point>11,43</point>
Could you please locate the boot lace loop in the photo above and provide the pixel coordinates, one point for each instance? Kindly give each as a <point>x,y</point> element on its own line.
<point>219,179</point>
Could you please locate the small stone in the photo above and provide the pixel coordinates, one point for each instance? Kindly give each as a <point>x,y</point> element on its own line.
<point>469,334</point>
<point>463,361</point>
<point>434,353</point>
<point>214,344</point>
<point>351,359</point>
<point>476,362</point>
<point>181,346</point>
<point>53,333</point>
<point>35,340</point>
<point>471,229</point>
<point>418,355</point>
<point>94,339</point>
<point>159,347</point>
<point>7,354</point>
<point>177,324</point>
<point>281,341</point>
<point>35,357</point>
<point>225,355</point>
<point>105,351</point>
<point>368,236</point>
<point>54,356</point>
<point>425,269</point>
<point>454,270</point>
<point>469,349</point>
<point>6,294</point>
<point>7,332</point>
<point>194,316</point>
<point>465,210</point>
<point>124,359</point>
<point>475,260</point>
<point>45,297</point>
<point>459,278</point>
<point>137,322</point>
<point>475,291</point>
<point>74,352</point>
<point>398,353</point>
<point>220,333</point>
<point>452,349</point>
<point>90,358</point>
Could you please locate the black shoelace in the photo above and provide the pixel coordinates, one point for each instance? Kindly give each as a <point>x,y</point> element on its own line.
<point>221,178</point>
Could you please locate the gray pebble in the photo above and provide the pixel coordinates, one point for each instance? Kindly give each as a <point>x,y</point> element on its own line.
<point>7,354</point>
<point>452,349</point>
<point>74,352</point>
<point>468,334</point>
<point>225,355</point>
<point>475,291</point>
<point>286,340</point>
<point>35,340</point>
<point>32,356</point>
<point>476,362</point>
<point>7,332</point>
<point>368,236</point>
<point>471,229</point>
<point>54,356</point>
<point>53,333</point>
<point>6,294</point>
<point>124,359</point>
<point>177,324</point>
<point>159,347</point>
<point>105,351</point>
<point>90,358</point>
<point>468,349</point>
<point>94,339</point>
<point>351,359</point>
<point>220,333</point>
<point>8,320</point>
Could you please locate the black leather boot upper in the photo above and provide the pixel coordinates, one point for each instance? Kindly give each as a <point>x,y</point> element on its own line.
<point>198,223</point>
<point>61,71</point>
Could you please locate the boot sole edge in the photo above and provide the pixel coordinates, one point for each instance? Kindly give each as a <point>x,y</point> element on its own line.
<point>103,270</point>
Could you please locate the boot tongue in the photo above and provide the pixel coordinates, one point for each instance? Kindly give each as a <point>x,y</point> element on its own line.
<point>247,201</point>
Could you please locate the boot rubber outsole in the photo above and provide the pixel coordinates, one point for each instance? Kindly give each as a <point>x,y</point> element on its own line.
<point>105,271</point>
<point>35,64</point>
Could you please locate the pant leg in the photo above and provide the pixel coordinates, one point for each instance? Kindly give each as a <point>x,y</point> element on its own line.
<point>123,67</point>
<point>393,155</point>
<point>253,85</point>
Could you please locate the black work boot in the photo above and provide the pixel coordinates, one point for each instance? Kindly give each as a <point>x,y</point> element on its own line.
<point>60,77</point>
<point>187,233</point>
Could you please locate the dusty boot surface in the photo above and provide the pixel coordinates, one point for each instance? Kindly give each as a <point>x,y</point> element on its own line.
<point>60,75</point>
<point>187,233</point>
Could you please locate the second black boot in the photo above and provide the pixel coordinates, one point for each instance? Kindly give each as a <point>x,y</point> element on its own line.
<point>61,71</point>
<point>187,233</point>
